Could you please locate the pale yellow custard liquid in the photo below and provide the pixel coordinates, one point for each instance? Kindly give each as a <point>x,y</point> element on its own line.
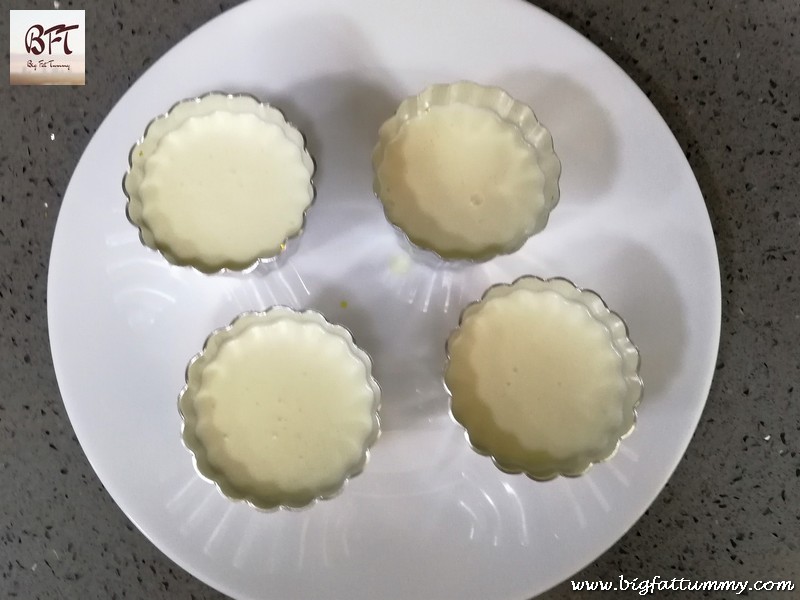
<point>224,189</point>
<point>536,380</point>
<point>461,181</point>
<point>284,411</point>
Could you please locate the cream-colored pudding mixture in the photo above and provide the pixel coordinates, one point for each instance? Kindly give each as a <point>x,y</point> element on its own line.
<point>461,181</point>
<point>536,379</point>
<point>284,411</point>
<point>225,189</point>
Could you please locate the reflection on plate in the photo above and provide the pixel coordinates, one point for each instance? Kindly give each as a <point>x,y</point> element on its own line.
<point>428,517</point>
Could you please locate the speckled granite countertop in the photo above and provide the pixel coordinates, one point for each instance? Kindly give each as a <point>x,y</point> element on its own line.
<point>726,78</point>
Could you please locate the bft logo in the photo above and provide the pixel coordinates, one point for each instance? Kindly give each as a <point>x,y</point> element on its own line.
<point>34,42</point>
<point>47,47</point>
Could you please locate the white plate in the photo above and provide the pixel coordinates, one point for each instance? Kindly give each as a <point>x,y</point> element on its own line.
<point>428,518</point>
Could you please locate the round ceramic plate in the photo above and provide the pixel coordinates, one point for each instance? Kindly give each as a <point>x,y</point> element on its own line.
<point>428,518</point>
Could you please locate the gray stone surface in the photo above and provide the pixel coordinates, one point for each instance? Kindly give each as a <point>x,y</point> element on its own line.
<point>726,78</point>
